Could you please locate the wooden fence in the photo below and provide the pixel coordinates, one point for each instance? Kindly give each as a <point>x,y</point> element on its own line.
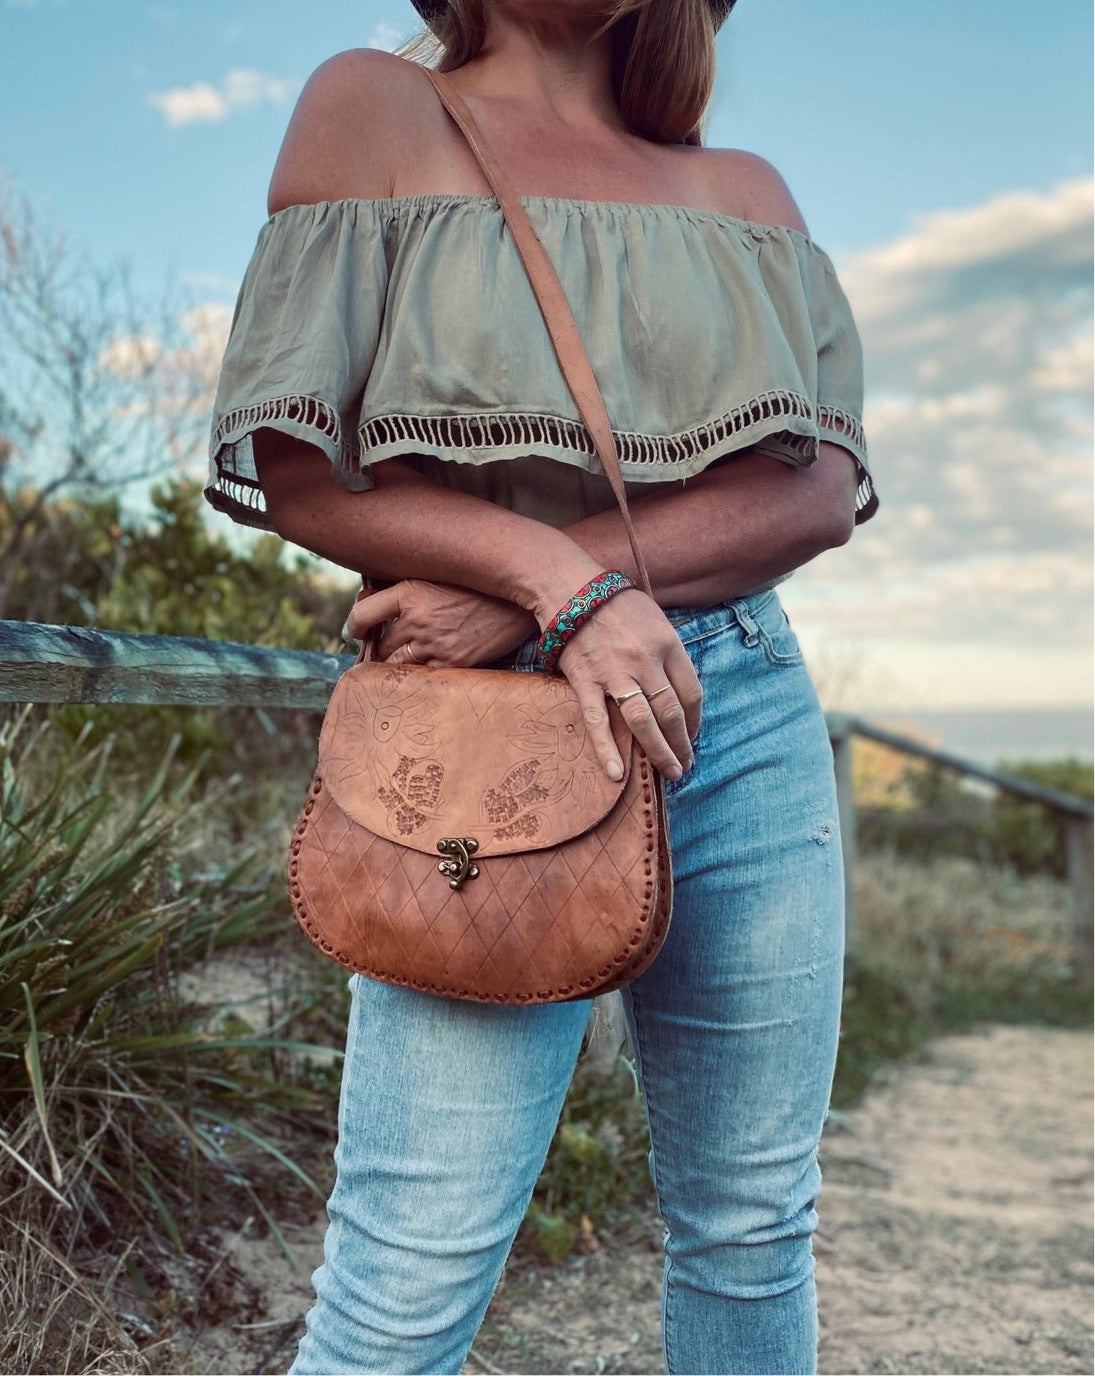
<point>56,664</point>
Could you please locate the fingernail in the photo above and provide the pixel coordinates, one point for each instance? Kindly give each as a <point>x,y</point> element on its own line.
<point>673,772</point>
<point>616,771</point>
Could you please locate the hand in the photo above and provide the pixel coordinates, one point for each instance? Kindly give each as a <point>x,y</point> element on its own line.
<point>438,623</point>
<point>629,650</point>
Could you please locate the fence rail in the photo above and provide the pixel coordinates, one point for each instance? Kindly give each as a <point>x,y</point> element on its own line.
<point>1075,813</point>
<point>57,664</point>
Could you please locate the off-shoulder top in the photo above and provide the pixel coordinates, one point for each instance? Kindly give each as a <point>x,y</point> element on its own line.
<point>406,327</point>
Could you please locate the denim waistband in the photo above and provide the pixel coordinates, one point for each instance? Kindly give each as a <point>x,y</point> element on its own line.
<point>693,621</point>
<point>690,623</point>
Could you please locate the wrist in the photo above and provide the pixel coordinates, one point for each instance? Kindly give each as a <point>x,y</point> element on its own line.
<point>546,582</point>
<point>574,614</point>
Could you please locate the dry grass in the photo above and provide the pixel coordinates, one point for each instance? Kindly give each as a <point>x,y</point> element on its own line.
<point>959,919</point>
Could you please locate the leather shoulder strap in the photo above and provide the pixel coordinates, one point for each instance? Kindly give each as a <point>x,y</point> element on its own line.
<point>554,307</point>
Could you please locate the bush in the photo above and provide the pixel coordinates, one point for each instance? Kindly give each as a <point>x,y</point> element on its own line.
<point>127,1116</point>
<point>945,816</point>
<point>165,572</point>
<point>1029,836</point>
<point>596,1170</point>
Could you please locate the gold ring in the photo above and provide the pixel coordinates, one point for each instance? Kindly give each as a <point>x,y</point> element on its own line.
<point>651,696</point>
<point>635,693</point>
<point>409,652</point>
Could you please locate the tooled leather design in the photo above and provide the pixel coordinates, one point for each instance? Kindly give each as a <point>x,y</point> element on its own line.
<point>536,926</point>
<point>417,753</point>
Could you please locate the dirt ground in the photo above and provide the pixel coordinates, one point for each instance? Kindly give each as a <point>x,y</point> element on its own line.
<point>956,1237</point>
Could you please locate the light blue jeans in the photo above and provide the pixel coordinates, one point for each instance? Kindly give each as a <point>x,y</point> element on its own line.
<point>448,1108</point>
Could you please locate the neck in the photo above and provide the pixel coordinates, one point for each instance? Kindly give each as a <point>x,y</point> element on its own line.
<point>556,60</point>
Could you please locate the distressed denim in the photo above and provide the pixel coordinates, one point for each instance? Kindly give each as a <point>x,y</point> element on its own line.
<point>448,1108</point>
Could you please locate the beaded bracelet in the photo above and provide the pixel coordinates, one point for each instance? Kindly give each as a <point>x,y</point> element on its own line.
<point>563,625</point>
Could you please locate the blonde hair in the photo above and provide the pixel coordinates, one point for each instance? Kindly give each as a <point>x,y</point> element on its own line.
<point>663,68</point>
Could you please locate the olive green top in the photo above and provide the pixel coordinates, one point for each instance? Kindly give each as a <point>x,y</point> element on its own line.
<point>406,327</point>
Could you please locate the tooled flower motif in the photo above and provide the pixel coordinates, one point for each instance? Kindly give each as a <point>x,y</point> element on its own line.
<point>555,741</point>
<point>383,728</point>
<point>411,794</point>
<point>379,721</point>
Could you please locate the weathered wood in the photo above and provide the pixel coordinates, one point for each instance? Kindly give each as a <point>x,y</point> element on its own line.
<point>73,664</point>
<point>1081,884</point>
<point>841,737</point>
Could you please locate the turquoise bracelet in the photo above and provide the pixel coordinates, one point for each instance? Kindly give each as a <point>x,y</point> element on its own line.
<point>565,623</point>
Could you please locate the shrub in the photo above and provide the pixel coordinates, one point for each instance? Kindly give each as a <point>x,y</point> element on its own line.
<point>127,1117</point>
<point>944,816</point>
<point>166,572</point>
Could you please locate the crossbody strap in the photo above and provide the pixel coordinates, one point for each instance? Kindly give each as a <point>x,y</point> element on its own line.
<point>554,307</point>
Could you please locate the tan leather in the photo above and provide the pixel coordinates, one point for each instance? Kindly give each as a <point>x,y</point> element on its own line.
<point>561,885</point>
<point>572,894</point>
<point>501,756</point>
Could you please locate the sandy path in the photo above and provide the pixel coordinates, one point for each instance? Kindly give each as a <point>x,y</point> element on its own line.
<point>957,1213</point>
<point>956,1237</point>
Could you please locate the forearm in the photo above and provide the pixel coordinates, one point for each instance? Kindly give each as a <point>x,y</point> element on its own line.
<point>408,527</point>
<point>732,528</point>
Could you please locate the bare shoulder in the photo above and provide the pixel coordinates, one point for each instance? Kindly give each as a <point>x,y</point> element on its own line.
<point>751,188</point>
<point>345,133</point>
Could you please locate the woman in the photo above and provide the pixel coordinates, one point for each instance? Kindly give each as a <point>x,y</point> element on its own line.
<point>385,328</point>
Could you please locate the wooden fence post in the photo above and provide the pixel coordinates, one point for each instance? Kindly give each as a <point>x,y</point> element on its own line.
<point>841,736</point>
<point>1079,861</point>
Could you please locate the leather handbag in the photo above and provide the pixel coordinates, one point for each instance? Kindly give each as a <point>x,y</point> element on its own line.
<point>460,836</point>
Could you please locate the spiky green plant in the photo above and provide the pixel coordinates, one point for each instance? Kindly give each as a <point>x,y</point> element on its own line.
<point>128,1113</point>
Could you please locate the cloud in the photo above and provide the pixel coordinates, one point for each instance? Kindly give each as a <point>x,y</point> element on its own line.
<point>386,36</point>
<point>185,373</point>
<point>240,89</point>
<point>976,329</point>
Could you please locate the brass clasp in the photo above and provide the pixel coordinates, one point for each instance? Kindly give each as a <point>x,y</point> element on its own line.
<point>462,848</point>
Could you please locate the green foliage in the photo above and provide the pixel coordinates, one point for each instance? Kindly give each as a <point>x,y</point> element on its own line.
<point>952,818</point>
<point>947,946</point>
<point>176,576</point>
<point>879,1024</point>
<point>1031,836</point>
<point>127,1108</point>
<point>169,573</point>
<point>597,1166</point>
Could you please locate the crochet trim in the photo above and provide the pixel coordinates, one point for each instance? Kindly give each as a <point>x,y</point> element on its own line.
<point>310,413</point>
<point>515,430</point>
<point>843,422</point>
<point>519,431</point>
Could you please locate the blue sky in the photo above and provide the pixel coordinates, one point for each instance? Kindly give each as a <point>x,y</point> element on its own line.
<point>874,111</point>
<point>942,154</point>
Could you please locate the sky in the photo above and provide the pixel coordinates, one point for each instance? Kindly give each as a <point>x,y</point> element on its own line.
<point>941,153</point>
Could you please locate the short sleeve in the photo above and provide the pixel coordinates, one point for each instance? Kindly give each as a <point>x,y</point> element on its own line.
<point>302,342</point>
<point>840,377</point>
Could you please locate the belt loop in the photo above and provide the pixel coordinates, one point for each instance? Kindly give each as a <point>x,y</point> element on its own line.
<point>746,622</point>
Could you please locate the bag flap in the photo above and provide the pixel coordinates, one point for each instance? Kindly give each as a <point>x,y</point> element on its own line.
<point>417,753</point>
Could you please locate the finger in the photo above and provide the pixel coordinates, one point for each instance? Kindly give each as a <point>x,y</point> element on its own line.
<point>403,654</point>
<point>372,611</point>
<point>669,714</point>
<point>643,725</point>
<point>591,700</point>
<point>681,672</point>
